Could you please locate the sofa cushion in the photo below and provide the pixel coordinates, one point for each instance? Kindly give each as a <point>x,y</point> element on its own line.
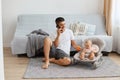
<point>81,28</point>
<point>78,28</point>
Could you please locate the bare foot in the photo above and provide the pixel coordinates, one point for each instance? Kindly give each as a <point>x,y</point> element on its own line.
<point>91,58</point>
<point>45,65</point>
<point>52,60</point>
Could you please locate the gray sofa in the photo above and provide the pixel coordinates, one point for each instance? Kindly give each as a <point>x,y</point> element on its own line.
<point>29,22</point>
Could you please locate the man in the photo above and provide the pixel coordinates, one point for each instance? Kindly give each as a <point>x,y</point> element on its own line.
<point>59,49</point>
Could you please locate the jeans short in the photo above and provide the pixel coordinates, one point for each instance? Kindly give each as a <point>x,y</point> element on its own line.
<point>56,53</point>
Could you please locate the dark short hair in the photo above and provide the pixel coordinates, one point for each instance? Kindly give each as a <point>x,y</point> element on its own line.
<point>59,19</point>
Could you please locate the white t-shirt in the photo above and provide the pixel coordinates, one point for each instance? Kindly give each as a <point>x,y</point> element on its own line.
<point>65,40</point>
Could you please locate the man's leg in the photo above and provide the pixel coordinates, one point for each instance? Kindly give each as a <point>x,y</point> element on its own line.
<point>62,61</point>
<point>61,58</point>
<point>47,45</point>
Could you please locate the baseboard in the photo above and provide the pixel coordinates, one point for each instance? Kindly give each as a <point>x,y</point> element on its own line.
<point>113,51</point>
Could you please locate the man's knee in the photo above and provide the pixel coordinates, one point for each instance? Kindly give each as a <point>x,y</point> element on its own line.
<point>66,61</point>
<point>48,40</point>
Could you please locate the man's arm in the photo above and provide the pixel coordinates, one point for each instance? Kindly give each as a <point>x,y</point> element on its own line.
<point>56,42</point>
<point>74,45</point>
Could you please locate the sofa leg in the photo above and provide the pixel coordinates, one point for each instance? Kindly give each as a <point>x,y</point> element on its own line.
<point>105,53</point>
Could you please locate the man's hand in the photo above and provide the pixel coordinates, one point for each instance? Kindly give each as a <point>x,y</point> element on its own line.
<point>56,42</point>
<point>58,32</point>
<point>78,48</point>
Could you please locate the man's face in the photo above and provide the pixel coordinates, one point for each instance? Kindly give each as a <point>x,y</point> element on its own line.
<point>61,26</point>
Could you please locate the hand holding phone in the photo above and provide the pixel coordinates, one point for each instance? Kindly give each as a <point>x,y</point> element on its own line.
<point>58,31</point>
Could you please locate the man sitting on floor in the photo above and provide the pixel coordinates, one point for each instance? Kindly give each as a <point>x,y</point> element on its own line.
<point>58,50</point>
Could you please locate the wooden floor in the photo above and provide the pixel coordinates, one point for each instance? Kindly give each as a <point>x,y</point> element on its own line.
<point>16,66</point>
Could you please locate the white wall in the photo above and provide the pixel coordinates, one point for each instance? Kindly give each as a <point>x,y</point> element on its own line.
<point>1,48</point>
<point>12,8</point>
